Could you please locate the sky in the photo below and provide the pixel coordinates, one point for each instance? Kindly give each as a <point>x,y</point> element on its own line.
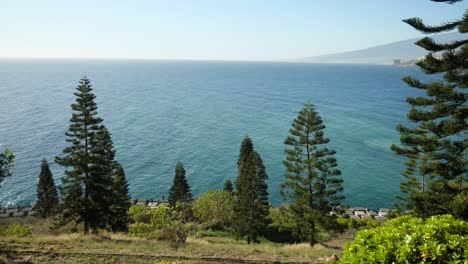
<point>263,30</point>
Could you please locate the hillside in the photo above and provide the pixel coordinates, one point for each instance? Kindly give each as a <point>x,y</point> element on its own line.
<point>404,50</point>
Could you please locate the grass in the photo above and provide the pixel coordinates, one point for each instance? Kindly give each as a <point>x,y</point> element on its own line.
<point>209,247</point>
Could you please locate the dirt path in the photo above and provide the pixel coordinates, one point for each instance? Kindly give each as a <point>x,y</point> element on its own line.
<point>31,256</point>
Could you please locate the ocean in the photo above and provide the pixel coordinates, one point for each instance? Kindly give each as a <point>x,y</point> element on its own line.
<point>162,112</point>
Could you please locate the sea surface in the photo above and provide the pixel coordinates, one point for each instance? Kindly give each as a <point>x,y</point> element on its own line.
<point>160,112</point>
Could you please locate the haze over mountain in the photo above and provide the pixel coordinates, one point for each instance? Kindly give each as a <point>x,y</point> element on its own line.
<point>404,50</point>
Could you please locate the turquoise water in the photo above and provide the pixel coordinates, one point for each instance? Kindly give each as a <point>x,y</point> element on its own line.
<point>160,112</point>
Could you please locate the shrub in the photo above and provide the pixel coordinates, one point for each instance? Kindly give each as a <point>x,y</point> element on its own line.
<point>16,230</point>
<point>406,239</point>
<point>215,209</point>
<point>165,223</point>
<point>140,229</point>
<point>160,216</point>
<point>139,214</point>
<point>350,223</point>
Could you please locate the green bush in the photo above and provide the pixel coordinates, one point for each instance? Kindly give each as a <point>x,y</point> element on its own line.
<point>162,222</point>
<point>350,223</point>
<point>16,230</point>
<point>406,239</point>
<point>139,213</point>
<point>215,209</point>
<point>140,229</point>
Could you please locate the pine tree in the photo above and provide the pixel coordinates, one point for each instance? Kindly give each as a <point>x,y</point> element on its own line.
<point>180,190</point>
<point>312,180</point>
<point>47,196</point>
<point>228,187</point>
<point>436,143</point>
<point>83,181</point>
<point>103,170</point>
<point>252,208</point>
<point>7,159</point>
<point>245,151</point>
<point>121,201</point>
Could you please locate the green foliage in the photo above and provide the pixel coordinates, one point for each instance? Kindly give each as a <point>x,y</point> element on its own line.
<point>140,229</point>
<point>120,202</point>
<point>228,187</point>
<point>215,208</point>
<point>165,222</point>
<point>7,161</point>
<point>162,216</point>
<point>435,145</point>
<point>139,213</point>
<point>47,196</point>
<point>251,210</point>
<point>15,230</point>
<point>281,216</point>
<point>406,239</point>
<point>313,183</point>
<point>362,223</point>
<point>280,234</point>
<point>180,189</point>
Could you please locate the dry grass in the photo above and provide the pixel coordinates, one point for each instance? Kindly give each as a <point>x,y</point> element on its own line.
<point>44,247</point>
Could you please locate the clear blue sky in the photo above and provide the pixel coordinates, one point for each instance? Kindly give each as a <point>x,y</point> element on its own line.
<point>207,29</point>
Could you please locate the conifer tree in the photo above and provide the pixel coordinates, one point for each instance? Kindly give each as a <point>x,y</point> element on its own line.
<point>7,159</point>
<point>103,171</point>
<point>252,208</point>
<point>121,202</point>
<point>228,187</point>
<point>180,189</point>
<point>47,196</point>
<point>436,143</point>
<point>313,183</point>
<point>83,181</point>
<point>245,151</point>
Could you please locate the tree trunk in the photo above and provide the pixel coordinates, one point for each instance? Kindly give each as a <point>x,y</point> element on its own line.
<point>86,227</point>
<point>312,234</point>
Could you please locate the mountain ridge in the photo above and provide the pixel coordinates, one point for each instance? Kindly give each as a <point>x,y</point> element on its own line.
<point>404,50</point>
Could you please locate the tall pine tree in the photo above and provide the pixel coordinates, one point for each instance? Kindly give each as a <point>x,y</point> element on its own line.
<point>47,196</point>
<point>83,180</point>
<point>436,144</point>
<point>251,210</point>
<point>180,189</point>
<point>121,201</point>
<point>313,182</point>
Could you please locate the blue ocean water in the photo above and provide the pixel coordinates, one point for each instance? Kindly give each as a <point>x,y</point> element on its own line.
<point>160,112</point>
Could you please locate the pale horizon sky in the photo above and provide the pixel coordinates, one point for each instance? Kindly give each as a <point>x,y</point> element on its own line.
<point>255,30</point>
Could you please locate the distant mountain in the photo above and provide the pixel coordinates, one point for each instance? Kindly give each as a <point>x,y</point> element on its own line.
<point>404,51</point>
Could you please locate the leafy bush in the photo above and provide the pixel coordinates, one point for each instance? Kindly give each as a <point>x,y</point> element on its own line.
<point>215,208</point>
<point>281,216</point>
<point>350,223</point>
<point>406,239</point>
<point>162,222</point>
<point>140,229</point>
<point>161,216</point>
<point>16,230</point>
<point>139,213</point>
